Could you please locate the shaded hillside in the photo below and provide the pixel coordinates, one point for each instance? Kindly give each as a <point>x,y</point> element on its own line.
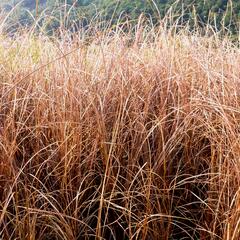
<point>29,4</point>
<point>220,14</point>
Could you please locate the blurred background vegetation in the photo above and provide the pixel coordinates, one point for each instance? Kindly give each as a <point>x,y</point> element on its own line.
<point>70,14</point>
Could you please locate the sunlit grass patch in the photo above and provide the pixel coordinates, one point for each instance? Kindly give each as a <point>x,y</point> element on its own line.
<point>111,138</point>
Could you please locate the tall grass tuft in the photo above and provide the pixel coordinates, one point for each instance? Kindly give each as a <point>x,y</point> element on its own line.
<point>115,137</point>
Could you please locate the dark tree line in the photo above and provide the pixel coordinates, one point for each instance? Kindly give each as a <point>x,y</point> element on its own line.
<point>219,13</point>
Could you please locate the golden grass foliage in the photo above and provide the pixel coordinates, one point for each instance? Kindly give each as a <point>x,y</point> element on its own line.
<point>116,139</point>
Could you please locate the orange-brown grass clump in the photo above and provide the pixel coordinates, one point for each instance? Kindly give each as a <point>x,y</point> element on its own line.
<point>110,137</point>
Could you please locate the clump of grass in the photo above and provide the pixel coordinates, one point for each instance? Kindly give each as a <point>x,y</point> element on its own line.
<point>111,138</point>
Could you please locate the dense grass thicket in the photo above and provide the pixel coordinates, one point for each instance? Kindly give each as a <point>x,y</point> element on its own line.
<point>115,137</point>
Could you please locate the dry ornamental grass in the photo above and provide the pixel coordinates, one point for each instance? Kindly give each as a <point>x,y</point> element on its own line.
<point>105,139</point>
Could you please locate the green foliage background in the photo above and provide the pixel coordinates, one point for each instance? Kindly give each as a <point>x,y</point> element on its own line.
<point>219,13</point>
